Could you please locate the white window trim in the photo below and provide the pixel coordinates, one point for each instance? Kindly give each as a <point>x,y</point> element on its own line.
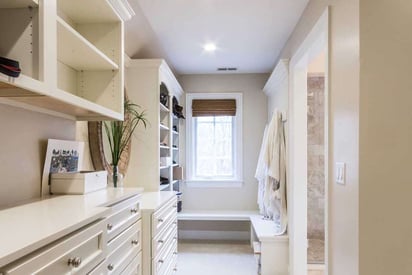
<point>238,146</point>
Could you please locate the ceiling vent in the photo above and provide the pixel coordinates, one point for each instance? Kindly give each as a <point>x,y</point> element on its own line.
<point>223,69</point>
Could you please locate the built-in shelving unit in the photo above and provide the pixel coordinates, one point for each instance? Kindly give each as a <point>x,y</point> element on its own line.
<point>150,78</point>
<point>71,57</point>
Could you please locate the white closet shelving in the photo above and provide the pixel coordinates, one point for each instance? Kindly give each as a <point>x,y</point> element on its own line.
<point>71,57</point>
<point>146,78</point>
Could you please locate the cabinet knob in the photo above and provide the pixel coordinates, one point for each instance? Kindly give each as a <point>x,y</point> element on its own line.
<point>134,210</point>
<point>160,220</point>
<point>175,269</point>
<point>74,261</point>
<point>174,205</point>
<point>135,242</point>
<point>160,241</point>
<point>110,267</point>
<point>109,226</point>
<point>160,261</point>
<point>175,253</point>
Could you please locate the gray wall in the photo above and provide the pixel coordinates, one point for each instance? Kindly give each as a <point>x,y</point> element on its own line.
<point>23,143</point>
<point>254,119</point>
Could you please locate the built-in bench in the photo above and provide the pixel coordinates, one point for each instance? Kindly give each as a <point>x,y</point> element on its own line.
<point>270,249</point>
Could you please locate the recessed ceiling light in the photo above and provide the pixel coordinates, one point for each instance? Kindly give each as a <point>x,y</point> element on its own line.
<point>209,47</point>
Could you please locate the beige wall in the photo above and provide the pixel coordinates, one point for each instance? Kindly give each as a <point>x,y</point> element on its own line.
<point>385,237</point>
<point>23,143</point>
<point>343,124</point>
<point>254,119</point>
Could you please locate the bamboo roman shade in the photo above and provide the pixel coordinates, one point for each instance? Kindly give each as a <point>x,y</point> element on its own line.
<point>213,107</point>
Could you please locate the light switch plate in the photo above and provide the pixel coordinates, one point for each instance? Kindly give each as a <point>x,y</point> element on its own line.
<point>340,173</point>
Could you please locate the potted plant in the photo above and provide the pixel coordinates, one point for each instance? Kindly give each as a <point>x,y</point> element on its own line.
<point>119,134</point>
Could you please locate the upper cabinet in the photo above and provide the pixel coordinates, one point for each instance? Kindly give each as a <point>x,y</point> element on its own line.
<point>71,56</point>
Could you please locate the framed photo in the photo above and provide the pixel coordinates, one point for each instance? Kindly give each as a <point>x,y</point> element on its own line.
<point>62,156</point>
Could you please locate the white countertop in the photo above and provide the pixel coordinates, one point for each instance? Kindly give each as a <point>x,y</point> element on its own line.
<point>153,200</point>
<point>26,228</point>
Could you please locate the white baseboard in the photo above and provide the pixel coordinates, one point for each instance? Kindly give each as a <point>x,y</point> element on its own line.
<point>214,235</point>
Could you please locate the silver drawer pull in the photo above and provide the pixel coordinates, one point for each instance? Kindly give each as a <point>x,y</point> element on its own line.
<point>175,223</point>
<point>160,241</point>
<point>109,226</point>
<point>175,253</point>
<point>175,269</point>
<point>160,261</point>
<point>110,267</point>
<point>174,205</point>
<point>134,210</point>
<point>135,242</point>
<point>160,220</point>
<point>175,238</point>
<point>75,262</point>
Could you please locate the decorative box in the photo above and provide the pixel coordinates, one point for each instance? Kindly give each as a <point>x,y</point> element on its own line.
<point>78,183</point>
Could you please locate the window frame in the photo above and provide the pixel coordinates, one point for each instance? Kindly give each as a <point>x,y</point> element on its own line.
<point>237,180</point>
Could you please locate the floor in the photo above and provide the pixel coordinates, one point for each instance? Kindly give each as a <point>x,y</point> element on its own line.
<point>217,258</point>
<point>316,251</point>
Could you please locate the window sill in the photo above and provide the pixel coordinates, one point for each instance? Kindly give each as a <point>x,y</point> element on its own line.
<point>214,183</point>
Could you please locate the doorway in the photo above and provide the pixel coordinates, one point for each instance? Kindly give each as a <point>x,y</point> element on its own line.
<point>308,142</point>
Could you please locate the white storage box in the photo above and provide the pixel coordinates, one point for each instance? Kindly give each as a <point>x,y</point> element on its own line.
<point>78,183</point>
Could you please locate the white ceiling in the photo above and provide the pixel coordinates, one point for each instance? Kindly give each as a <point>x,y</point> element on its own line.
<point>249,34</point>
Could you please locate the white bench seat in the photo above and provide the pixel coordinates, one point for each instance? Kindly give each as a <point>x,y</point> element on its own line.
<point>271,249</point>
<point>216,215</point>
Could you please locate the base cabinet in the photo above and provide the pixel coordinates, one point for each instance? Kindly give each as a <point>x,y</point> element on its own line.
<point>159,217</point>
<point>108,244</point>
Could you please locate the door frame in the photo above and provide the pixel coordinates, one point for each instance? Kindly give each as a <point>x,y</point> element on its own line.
<point>315,42</point>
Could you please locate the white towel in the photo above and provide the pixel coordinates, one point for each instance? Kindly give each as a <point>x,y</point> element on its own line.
<point>261,173</point>
<point>271,174</point>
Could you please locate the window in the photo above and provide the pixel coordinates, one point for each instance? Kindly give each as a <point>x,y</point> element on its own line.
<point>214,149</point>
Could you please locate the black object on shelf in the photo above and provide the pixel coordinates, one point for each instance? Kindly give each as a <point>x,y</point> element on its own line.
<point>9,67</point>
<point>164,95</point>
<point>175,128</point>
<point>177,109</point>
<point>164,180</point>
<point>179,201</point>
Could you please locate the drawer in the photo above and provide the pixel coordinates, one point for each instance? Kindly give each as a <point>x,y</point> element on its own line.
<point>164,216</point>
<point>172,269</point>
<point>163,238</point>
<point>77,253</point>
<point>123,249</point>
<point>124,214</point>
<point>135,267</point>
<point>161,263</point>
<point>132,235</point>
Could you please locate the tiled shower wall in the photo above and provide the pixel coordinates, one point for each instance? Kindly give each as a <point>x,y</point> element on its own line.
<point>316,177</point>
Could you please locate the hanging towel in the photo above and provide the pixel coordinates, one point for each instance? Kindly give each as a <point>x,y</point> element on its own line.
<point>274,197</point>
<point>261,173</point>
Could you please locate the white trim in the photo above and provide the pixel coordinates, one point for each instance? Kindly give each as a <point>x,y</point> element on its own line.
<point>238,142</point>
<point>316,41</point>
<point>279,75</point>
<point>214,183</point>
<point>123,9</point>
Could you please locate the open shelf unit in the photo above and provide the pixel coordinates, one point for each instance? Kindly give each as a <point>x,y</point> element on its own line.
<point>71,58</point>
<point>150,78</point>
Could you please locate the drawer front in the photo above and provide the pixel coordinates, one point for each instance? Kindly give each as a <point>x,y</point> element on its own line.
<point>77,253</point>
<point>172,269</point>
<point>123,249</point>
<point>164,238</point>
<point>135,267</point>
<point>164,216</point>
<point>132,236</point>
<point>123,215</point>
<point>161,263</point>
